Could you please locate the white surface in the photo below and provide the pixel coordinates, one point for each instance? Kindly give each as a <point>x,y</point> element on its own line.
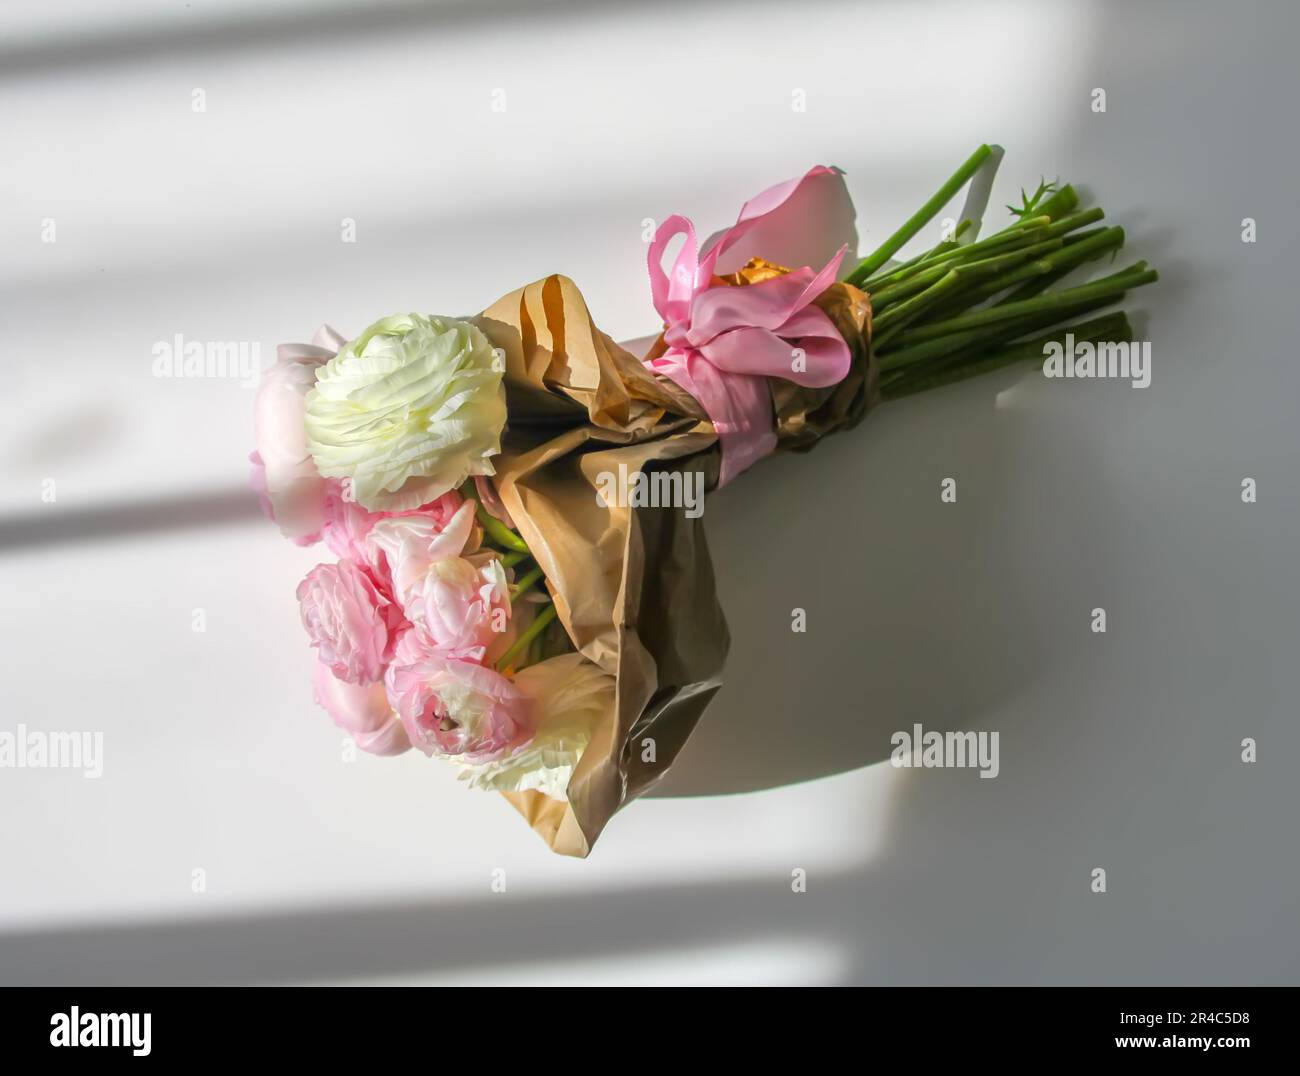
<point>1119,751</point>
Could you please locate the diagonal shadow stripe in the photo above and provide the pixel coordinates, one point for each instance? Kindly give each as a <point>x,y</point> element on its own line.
<point>408,938</point>
<point>276,31</point>
<point>60,525</point>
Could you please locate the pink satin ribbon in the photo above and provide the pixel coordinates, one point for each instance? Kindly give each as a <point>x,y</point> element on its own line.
<point>725,341</point>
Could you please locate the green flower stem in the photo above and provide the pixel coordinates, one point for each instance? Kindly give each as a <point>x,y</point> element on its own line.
<point>498,531</point>
<point>1112,327</point>
<point>1021,234</point>
<point>939,248</point>
<point>1057,206</point>
<point>525,585</point>
<point>526,636</point>
<point>509,560</point>
<point>960,309</point>
<point>984,266</point>
<point>1107,287</point>
<point>1074,221</point>
<point>1015,235</point>
<point>990,343</point>
<point>1064,200</point>
<point>921,217</point>
<point>901,315</point>
<point>1041,283</point>
<point>1036,286</point>
<point>902,270</point>
<point>1034,231</point>
<point>1090,247</point>
<point>959,346</point>
<point>495,530</point>
<point>980,342</point>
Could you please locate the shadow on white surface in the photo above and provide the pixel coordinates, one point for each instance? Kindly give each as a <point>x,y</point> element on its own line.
<point>458,940</point>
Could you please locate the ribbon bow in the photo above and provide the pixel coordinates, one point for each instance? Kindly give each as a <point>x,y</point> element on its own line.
<point>723,342</point>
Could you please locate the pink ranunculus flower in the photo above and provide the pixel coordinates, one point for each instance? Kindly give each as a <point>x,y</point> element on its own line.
<point>363,711</point>
<point>459,605</point>
<point>291,490</point>
<point>456,708</point>
<point>351,623</point>
<point>462,606</point>
<point>284,507</point>
<point>347,526</point>
<point>407,544</point>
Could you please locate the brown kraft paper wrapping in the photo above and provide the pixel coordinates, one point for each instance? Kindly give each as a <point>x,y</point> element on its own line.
<point>633,587</point>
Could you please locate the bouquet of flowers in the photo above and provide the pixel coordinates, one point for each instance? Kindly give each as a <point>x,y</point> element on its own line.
<point>522,585</point>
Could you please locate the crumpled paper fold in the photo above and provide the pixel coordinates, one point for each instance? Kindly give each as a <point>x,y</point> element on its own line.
<point>633,587</point>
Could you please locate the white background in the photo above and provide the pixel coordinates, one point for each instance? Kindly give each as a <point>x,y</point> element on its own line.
<point>1119,751</point>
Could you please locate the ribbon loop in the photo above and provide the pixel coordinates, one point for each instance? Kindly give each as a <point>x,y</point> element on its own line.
<point>724,341</point>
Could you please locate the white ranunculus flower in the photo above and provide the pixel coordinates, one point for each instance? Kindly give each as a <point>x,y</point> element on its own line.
<point>408,410</point>
<point>571,695</point>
